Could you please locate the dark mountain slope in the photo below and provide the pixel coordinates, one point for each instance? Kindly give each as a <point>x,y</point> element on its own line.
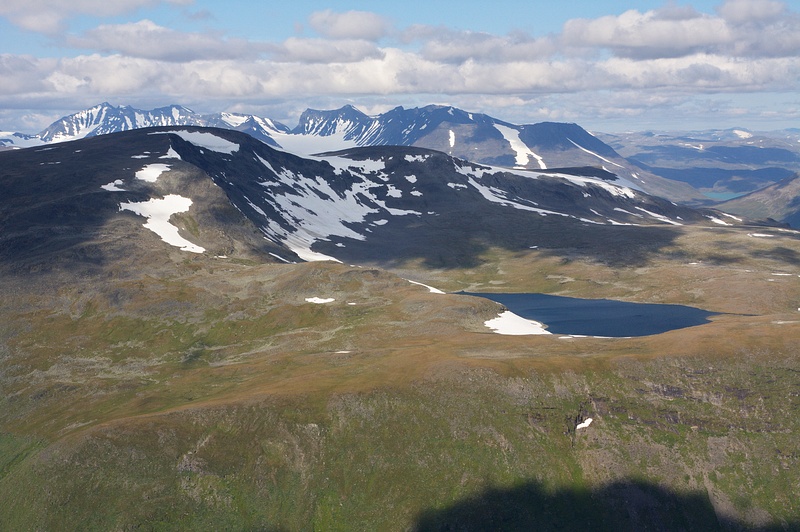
<point>379,204</point>
<point>61,205</point>
<point>780,201</point>
<point>386,204</point>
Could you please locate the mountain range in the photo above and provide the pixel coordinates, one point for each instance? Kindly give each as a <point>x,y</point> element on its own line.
<point>471,136</point>
<point>377,204</point>
<point>695,167</point>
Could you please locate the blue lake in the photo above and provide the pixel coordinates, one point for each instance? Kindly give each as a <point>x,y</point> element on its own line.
<point>599,317</point>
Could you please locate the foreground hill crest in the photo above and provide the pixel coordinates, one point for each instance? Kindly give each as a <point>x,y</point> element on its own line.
<point>379,203</point>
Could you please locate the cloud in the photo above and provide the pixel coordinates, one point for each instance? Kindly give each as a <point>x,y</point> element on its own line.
<point>21,75</point>
<point>324,51</point>
<point>655,59</point>
<point>49,16</point>
<point>349,25</point>
<point>667,33</point>
<point>450,46</point>
<point>743,11</point>
<point>391,71</point>
<point>145,39</point>
<point>745,28</point>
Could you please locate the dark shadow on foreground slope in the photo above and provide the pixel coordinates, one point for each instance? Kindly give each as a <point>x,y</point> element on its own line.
<point>458,240</point>
<point>631,505</point>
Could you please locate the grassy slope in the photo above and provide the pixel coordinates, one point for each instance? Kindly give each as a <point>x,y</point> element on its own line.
<point>216,397</point>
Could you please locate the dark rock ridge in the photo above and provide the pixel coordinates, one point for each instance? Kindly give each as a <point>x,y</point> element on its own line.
<point>378,203</point>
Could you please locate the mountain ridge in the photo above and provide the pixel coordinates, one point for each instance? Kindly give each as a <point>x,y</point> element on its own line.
<point>471,136</point>
<point>374,203</point>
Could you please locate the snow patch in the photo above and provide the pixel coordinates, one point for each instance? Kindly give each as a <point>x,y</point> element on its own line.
<point>431,289</point>
<point>585,424</point>
<point>324,212</point>
<point>208,141</point>
<point>593,153</point>
<point>509,323</point>
<point>523,153</point>
<point>659,216</point>
<point>171,154</point>
<point>281,258</point>
<point>114,186</point>
<point>717,220</point>
<point>311,143</point>
<point>393,192</point>
<point>158,212</point>
<point>320,300</point>
<point>497,196</point>
<point>151,172</point>
<point>233,120</point>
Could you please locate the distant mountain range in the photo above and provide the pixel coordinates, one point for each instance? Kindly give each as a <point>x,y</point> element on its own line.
<point>701,167</point>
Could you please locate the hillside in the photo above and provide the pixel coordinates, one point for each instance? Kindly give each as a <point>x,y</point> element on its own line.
<point>780,201</point>
<point>195,373</point>
<point>722,164</point>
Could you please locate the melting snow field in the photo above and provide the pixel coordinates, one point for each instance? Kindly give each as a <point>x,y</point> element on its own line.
<point>320,300</point>
<point>114,186</point>
<point>157,212</point>
<point>208,141</point>
<point>311,144</point>
<point>151,172</point>
<point>510,324</point>
<point>593,153</point>
<point>431,289</point>
<point>524,154</point>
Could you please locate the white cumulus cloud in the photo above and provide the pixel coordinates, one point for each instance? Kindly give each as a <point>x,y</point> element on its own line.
<point>146,39</point>
<point>742,11</point>
<point>624,65</point>
<point>49,16</point>
<point>349,25</point>
<point>326,51</point>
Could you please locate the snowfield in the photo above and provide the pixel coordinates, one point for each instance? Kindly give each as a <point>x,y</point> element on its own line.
<point>510,324</point>
<point>320,300</point>
<point>208,141</point>
<point>152,172</point>
<point>158,212</point>
<point>431,289</point>
<point>524,154</point>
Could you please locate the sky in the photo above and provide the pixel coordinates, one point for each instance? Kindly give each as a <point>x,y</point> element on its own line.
<point>608,65</point>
